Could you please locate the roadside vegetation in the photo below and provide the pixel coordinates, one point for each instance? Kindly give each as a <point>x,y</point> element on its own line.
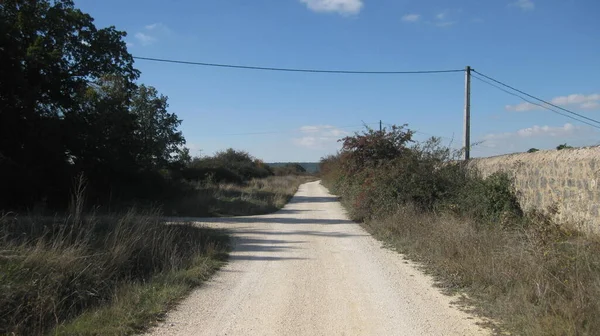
<point>520,269</point>
<point>89,273</point>
<point>234,183</point>
<point>90,162</point>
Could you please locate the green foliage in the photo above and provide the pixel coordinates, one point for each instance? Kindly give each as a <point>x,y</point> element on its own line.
<point>532,150</point>
<point>310,167</point>
<point>289,169</point>
<point>377,171</point>
<point>160,141</point>
<point>69,105</point>
<point>228,166</point>
<point>563,146</point>
<point>373,148</point>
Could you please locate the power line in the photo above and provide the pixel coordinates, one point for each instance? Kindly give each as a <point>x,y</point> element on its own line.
<point>297,70</point>
<point>536,98</point>
<point>424,133</point>
<point>534,103</point>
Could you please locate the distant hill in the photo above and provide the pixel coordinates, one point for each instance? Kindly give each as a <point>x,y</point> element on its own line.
<point>311,167</point>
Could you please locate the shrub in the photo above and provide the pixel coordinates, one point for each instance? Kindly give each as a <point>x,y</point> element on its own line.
<point>425,175</point>
<point>563,146</point>
<point>228,166</point>
<point>289,169</point>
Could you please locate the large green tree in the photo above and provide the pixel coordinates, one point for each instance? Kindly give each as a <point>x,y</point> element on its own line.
<point>50,52</point>
<point>159,139</point>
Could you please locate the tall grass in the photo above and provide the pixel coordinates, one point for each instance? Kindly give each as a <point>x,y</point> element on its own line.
<point>256,197</point>
<point>532,283</point>
<point>53,270</point>
<point>90,274</point>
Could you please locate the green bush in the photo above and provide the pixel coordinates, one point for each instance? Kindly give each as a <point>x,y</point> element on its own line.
<point>377,171</point>
<point>228,166</point>
<point>214,174</point>
<point>289,169</point>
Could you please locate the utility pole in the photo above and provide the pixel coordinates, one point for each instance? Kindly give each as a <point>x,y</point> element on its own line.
<point>467,138</point>
<point>380,129</point>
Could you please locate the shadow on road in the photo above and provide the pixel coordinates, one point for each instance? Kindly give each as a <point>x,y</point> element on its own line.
<point>285,220</point>
<point>308,199</point>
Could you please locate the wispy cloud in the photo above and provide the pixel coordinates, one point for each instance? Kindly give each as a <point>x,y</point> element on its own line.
<point>336,6</point>
<point>151,33</point>
<point>537,131</point>
<point>411,18</point>
<point>319,136</point>
<point>442,20</point>
<point>581,101</point>
<point>145,39</point>
<point>542,137</point>
<point>525,5</point>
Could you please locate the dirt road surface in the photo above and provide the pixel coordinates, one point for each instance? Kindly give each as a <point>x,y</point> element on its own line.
<point>308,270</point>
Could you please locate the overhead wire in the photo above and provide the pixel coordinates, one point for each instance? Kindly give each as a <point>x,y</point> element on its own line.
<point>424,133</point>
<point>536,98</point>
<point>247,67</point>
<point>534,103</point>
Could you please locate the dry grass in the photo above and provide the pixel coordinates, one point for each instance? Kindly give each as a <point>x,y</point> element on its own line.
<point>537,280</point>
<point>53,270</point>
<point>116,274</point>
<point>257,197</point>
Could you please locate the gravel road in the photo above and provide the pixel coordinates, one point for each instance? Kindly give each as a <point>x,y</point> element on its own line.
<point>308,270</point>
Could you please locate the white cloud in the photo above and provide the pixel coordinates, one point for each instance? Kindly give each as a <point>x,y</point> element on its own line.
<point>442,19</point>
<point>151,33</point>
<point>152,26</point>
<point>411,17</point>
<point>158,27</point>
<point>542,137</point>
<point>319,136</point>
<point>578,100</point>
<point>590,105</point>
<point>524,4</point>
<point>145,39</point>
<point>537,131</point>
<point>337,6</point>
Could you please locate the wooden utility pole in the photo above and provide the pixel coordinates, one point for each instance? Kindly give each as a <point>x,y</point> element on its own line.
<point>380,129</point>
<point>467,138</point>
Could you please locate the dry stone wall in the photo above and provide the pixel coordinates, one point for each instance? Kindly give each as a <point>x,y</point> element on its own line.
<point>566,179</point>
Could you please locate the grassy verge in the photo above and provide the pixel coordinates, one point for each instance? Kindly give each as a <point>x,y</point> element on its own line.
<point>137,305</point>
<point>256,197</point>
<point>538,280</point>
<point>121,271</point>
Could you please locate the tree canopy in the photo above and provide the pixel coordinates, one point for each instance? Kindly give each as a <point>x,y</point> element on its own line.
<point>70,104</point>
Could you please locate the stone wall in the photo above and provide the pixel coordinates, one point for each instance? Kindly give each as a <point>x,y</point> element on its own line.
<point>567,179</point>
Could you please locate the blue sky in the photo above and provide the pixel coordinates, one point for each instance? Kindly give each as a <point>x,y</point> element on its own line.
<point>549,48</point>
